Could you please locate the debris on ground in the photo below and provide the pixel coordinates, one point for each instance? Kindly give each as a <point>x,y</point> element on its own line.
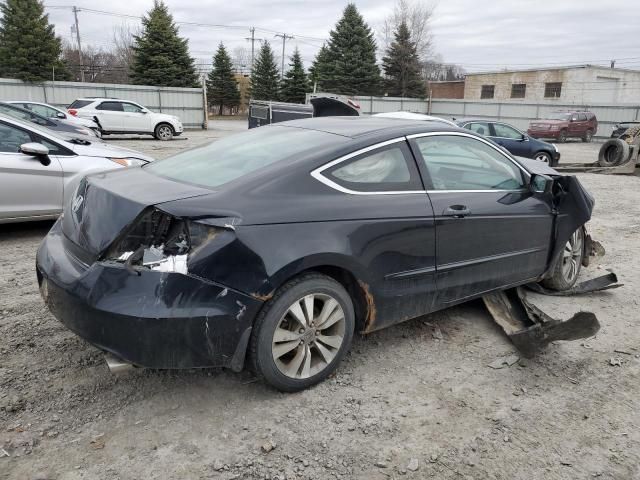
<point>503,362</point>
<point>268,446</point>
<point>615,361</point>
<point>413,465</point>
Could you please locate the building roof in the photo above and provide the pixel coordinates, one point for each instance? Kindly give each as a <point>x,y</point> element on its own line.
<point>547,69</point>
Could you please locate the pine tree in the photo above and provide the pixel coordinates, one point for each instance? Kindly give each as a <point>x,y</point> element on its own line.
<point>160,55</point>
<point>295,84</point>
<point>320,69</point>
<point>29,48</point>
<point>402,66</point>
<point>222,87</point>
<point>351,57</point>
<point>264,77</point>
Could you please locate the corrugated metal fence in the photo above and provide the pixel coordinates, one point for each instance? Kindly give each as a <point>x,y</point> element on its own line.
<point>515,113</point>
<point>185,103</point>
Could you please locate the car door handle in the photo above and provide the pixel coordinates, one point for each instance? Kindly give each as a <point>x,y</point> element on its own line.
<point>457,211</point>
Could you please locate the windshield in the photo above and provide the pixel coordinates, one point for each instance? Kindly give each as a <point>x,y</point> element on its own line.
<point>559,116</point>
<point>233,157</point>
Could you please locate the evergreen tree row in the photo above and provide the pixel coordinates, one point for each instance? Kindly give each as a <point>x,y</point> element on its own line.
<point>346,64</point>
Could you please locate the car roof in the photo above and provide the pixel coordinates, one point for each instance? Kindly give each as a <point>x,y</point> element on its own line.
<point>474,119</point>
<point>360,127</point>
<point>412,116</point>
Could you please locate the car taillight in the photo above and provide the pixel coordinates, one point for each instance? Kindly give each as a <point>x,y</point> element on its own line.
<point>159,241</point>
<point>73,111</point>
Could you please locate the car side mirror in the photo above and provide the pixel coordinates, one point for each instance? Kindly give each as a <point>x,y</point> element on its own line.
<point>61,115</point>
<point>144,110</point>
<point>37,150</point>
<point>541,183</point>
<point>523,137</point>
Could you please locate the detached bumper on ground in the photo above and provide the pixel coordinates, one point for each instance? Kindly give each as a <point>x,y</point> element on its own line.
<point>150,319</point>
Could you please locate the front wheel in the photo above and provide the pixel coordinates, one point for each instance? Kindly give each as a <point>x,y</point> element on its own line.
<point>302,333</point>
<point>566,270</point>
<point>163,132</point>
<point>588,136</point>
<point>562,136</point>
<point>545,157</point>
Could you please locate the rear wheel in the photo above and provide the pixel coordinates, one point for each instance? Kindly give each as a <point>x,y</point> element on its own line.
<point>562,136</point>
<point>565,272</point>
<point>163,131</point>
<point>302,333</point>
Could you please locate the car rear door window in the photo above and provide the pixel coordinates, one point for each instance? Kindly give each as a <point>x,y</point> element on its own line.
<point>464,163</point>
<point>387,169</point>
<point>505,131</point>
<point>481,128</point>
<point>110,106</point>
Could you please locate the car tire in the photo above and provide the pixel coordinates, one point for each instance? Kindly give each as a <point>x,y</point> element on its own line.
<point>588,136</point>
<point>613,152</point>
<point>562,136</point>
<point>567,268</point>
<point>545,157</point>
<point>163,131</point>
<point>291,356</point>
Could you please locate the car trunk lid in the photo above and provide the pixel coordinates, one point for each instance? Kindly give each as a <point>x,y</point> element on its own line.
<point>105,203</point>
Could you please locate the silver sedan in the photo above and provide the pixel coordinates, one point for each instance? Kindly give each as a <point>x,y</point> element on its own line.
<point>40,169</point>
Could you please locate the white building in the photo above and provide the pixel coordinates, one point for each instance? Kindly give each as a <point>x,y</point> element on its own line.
<point>582,84</point>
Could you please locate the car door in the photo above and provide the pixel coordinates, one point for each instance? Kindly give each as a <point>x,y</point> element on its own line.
<point>28,188</point>
<point>110,114</point>
<point>491,231</point>
<point>513,140</point>
<point>135,118</point>
<point>395,242</point>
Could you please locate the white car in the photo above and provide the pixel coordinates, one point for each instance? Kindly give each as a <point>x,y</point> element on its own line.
<point>40,169</point>
<point>50,111</point>
<point>123,116</point>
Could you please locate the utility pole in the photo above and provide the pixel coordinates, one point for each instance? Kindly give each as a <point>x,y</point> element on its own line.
<point>75,14</point>
<point>284,39</point>
<point>253,39</point>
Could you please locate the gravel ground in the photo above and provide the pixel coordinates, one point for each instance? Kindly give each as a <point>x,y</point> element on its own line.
<point>417,400</point>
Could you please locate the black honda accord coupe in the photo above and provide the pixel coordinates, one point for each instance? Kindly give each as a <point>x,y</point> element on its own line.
<point>272,247</point>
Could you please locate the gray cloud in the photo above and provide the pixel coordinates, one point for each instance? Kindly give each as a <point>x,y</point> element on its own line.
<point>478,35</point>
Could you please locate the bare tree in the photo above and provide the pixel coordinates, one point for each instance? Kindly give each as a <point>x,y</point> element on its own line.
<point>435,69</point>
<point>417,16</point>
<point>241,59</point>
<point>123,40</point>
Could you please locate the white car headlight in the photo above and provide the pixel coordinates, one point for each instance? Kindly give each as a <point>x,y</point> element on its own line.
<point>128,162</point>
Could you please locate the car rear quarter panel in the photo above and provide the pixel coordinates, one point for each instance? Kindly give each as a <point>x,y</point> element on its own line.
<point>386,242</point>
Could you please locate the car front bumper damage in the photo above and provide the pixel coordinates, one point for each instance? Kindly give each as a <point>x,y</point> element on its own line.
<point>151,319</point>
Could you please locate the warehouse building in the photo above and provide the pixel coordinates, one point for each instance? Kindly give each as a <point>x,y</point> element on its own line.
<point>582,84</point>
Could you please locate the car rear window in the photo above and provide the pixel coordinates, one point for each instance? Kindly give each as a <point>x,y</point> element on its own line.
<point>233,157</point>
<point>80,103</point>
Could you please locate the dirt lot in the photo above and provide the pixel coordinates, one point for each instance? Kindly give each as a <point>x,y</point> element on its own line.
<point>414,401</point>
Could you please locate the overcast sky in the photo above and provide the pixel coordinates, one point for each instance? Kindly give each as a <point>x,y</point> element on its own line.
<point>478,35</point>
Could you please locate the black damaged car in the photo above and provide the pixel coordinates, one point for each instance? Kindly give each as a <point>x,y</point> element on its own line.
<point>274,246</point>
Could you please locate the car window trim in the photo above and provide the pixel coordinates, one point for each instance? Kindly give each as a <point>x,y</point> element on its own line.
<point>317,173</point>
<point>527,175</point>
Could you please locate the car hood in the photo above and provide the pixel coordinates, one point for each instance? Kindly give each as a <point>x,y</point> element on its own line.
<point>537,167</point>
<point>99,148</point>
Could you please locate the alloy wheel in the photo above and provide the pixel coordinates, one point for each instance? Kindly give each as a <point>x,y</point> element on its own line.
<point>164,132</point>
<point>543,157</point>
<point>308,336</point>
<point>572,256</point>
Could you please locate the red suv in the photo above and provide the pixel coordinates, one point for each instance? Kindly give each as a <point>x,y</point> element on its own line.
<point>564,124</point>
